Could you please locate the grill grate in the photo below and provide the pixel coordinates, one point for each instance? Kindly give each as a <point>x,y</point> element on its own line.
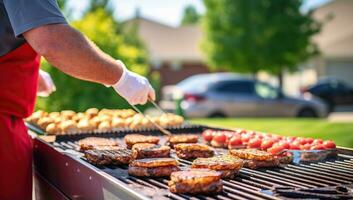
<point>249,184</point>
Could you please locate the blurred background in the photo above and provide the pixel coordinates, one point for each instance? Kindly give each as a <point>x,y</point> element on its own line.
<point>259,61</point>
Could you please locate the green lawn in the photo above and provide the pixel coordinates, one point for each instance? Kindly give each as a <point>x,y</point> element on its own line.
<point>341,133</point>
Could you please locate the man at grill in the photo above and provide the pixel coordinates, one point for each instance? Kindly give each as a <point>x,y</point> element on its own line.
<point>28,30</point>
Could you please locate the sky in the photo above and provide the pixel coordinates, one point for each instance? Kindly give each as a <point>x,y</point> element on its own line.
<point>165,11</point>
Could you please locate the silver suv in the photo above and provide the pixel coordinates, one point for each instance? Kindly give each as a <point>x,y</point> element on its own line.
<point>232,95</point>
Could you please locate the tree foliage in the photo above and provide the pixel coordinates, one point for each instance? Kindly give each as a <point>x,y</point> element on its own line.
<point>102,29</point>
<point>190,15</point>
<point>252,35</point>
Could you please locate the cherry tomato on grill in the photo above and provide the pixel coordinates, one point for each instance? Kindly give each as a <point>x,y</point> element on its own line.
<point>274,150</point>
<point>220,137</point>
<point>302,141</point>
<point>329,144</point>
<point>294,146</point>
<point>245,138</point>
<point>267,143</point>
<point>309,140</point>
<point>284,144</point>
<point>317,141</point>
<point>235,141</point>
<point>254,143</point>
<point>305,147</point>
<point>318,147</point>
<point>207,135</point>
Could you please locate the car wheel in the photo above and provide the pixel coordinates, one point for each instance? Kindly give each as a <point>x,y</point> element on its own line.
<point>307,113</point>
<point>217,115</point>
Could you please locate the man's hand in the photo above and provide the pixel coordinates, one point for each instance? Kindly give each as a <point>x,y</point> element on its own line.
<point>45,84</point>
<point>134,88</point>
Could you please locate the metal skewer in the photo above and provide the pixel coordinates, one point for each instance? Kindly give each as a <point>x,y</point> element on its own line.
<point>157,106</point>
<point>163,130</point>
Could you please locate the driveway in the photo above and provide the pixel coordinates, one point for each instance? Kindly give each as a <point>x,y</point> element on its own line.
<point>341,117</point>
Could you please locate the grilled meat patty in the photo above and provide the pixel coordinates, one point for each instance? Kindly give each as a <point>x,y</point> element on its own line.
<point>154,162</point>
<point>148,150</point>
<point>227,165</point>
<point>117,156</point>
<point>132,139</point>
<point>183,138</point>
<point>97,143</point>
<point>252,154</point>
<point>254,158</point>
<point>153,167</point>
<point>193,150</point>
<point>195,181</point>
<point>152,172</point>
<point>256,164</point>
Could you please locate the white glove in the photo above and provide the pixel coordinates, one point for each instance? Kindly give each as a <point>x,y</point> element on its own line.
<point>134,88</point>
<point>45,84</point>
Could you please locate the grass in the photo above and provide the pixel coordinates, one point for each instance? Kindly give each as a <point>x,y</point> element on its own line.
<point>341,133</point>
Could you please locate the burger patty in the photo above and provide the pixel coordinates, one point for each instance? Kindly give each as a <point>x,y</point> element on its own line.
<point>191,151</point>
<point>95,157</point>
<point>132,139</point>
<point>195,181</point>
<point>252,154</point>
<point>97,143</point>
<point>154,162</point>
<point>106,157</point>
<point>183,138</point>
<point>152,171</point>
<point>255,164</point>
<point>147,150</point>
<point>226,164</point>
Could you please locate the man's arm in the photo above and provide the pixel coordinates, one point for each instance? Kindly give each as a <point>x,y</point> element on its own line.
<point>72,53</point>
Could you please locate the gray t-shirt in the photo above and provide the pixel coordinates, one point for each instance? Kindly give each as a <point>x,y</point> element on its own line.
<point>19,16</point>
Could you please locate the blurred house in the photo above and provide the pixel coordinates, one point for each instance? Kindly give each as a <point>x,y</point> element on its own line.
<point>175,51</point>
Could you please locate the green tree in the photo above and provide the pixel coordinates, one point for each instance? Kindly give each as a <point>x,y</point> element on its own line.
<point>190,16</point>
<point>101,28</point>
<point>251,35</point>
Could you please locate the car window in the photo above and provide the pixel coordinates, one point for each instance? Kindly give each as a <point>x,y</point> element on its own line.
<point>195,83</point>
<point>321,88</point>
<point>266,91</point>
<point>236,87</point>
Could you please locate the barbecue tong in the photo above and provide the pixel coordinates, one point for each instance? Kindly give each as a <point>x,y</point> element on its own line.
<point>160,128</point>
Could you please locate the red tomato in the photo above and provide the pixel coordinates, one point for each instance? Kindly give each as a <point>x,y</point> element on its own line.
<point>243,131</point>
<point>229,134</point>
<point>220,137</point>
<point>275,149</point>
<point>290,139</point>
<point>329,144</point>
<point>305,147</point>
<point>245,138</point>
<point>309,140</point>
<point>268,143</point>
<point>254,143</point>
<point>294,146</point>
<point>302,141</point>
<point>317,147</point>
<point>235,141</point>
<point>207,135</point>
<point>284,144</point>
<point>277,138</point>
<point>318,141</point>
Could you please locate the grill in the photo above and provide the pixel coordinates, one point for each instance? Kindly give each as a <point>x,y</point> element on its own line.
<point>59,161</point>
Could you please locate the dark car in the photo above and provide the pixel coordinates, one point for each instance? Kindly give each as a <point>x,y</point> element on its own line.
<point>333,92</point>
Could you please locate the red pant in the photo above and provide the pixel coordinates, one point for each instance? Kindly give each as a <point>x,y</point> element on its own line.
<point>16,159</point>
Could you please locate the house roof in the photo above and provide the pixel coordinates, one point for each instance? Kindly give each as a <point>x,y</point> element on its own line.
<point>336,37</point>
<point>170,43</point>
<point>166,43</point>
